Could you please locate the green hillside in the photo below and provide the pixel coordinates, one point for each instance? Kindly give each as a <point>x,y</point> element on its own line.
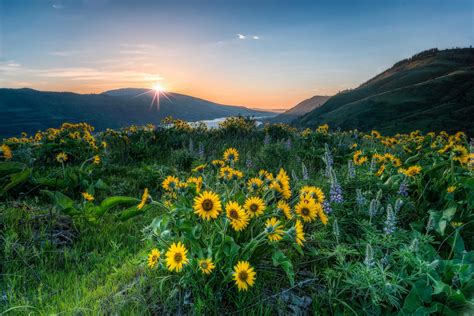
<point>28,110</point>
<point>300,109</point>
<point>432,91</point>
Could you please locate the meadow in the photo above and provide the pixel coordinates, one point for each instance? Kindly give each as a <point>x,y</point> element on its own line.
<point>181,219</point>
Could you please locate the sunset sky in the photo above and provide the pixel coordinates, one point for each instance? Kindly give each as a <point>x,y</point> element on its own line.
<point>263,54</point>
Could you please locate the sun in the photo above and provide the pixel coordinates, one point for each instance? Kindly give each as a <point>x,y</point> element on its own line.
<point>158,88</point>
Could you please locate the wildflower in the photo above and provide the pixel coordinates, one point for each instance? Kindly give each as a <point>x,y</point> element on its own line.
<point>207,205</point>
<point>369,256</point>
<point>176,257</point>
<point>315,192</point>
<point>144,199</point>
<point>153,258</point>
<point>299,233</point>
<point>288,143</point>
<point>360,198</point>
<point>96,160</point>
<point>281,184</point>
<point>244,275</point>
<point>88,197</point>
<point>390,221</point>
<point>411,171</point>
<point>456,224</point>
<point>61,157</point>
<point>460,154</point>
<point>206,265</point>
<point>218,163</point>
<point>335,194</point>
<point>380,171</point>
<point>199,168</point>
<point>358,158</point>
<point>398,206</point>
<point>104,145</point>
<point>201,150</point>
<point>237,216</point>
<point>304,171</point>
<point>273,229</point>
<point>374,207</point>
<point>7,152</point>
<point>283,207</point>
<point>191,146</point>
<point>196,181</point>
<point>254,184</point>
<point>322,215</point>
<point>254,206</point>
<point>350,169</point>
<point>327,207</point>
<point>323,129</point>
<point>451,189</point>
<point>335,229</point>
<point>231,155</point>
<point>308,210</point>
<point>170,183</point>
<point>403,189</point>
<point>266,140</point>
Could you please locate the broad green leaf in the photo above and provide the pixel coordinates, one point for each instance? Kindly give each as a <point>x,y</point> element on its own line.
<point>15,180</point>
<point>279,259</point>
<point>62,202</point>
<point>133,211</point>
<point>112,201</point>
<point>8,167</point>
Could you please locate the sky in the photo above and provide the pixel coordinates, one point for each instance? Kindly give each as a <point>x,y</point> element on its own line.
<point>260,53</point>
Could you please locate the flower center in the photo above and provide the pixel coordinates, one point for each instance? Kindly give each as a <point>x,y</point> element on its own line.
<point>254,207</point>
<point>207,205</point>
<point>243,275</point>
<point>204,265</point>
<point>305,211</point>
<point>234,214</point>
<point>178,257</point>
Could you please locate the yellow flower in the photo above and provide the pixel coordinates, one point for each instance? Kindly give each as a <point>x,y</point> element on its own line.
<point>322,216</point>
<point>153,258</point>
<point>207,205</point>
<point>315,192</point>
<point>206,265</point>
<point>145,197</point>
<point>380,171</point>
<point>411,171</point>
<point>104,145</point>
<point>61,157</point>
<point>231,154</point>
<point>283,207</point>
<point>375,134</point>
<point>281,184</point>
<point>299,233</point>
<point>254,184</point>
<point>254,206</point>
<point>197,181</point>
<point>199,168</point>
<point>323,129</point>
<point>237,216</point>
<point>307,209</point>
<point>451,189</point>
<point>7,152</point>
<point>456,224</point>
<point>176,257</point>
<point>460,154</point>
<point>170,183</point>
<point>96,159</point>
<point>273,229</point>
<point>358,158</point>
<point>218,163</point>
<point>87,196</point>
<point>244,275</point>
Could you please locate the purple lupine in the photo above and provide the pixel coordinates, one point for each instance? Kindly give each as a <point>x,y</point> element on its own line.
<point>350,169</point>
<point>201,150</point>
<point>327,207</point>
<point>390,221</point>
<point>403,189</point>
<point>360,198</point>
<point>266,140</point>
<point>304,171</point>
<point>335,194</point>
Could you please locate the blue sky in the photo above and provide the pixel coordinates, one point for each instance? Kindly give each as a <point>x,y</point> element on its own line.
<point>258,53</point>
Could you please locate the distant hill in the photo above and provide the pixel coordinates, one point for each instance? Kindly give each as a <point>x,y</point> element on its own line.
<point>300,109</point>
<point>30,110</point>
<point>431,91</point>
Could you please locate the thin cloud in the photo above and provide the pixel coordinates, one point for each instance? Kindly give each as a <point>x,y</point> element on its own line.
<point>58,6</point>
<point>241,36</point>
<point>255,37</point>
<point>66,53</point>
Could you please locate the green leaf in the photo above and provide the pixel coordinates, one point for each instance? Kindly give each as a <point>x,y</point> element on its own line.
<point>441,219</point>
<point>15,180</point>
<point>8,167</point>
<point>457,244</point>
<point>112,201</point>
<point>133,211</point>
<point>62,202</point>
<point>279,259</point>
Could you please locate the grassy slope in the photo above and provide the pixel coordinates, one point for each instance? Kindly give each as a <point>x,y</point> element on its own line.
<point>432,93</point>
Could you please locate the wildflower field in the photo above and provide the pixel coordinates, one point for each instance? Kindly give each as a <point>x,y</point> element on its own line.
<point>181,219</point>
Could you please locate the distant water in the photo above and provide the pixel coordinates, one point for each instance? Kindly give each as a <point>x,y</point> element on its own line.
<point>215,122</point>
